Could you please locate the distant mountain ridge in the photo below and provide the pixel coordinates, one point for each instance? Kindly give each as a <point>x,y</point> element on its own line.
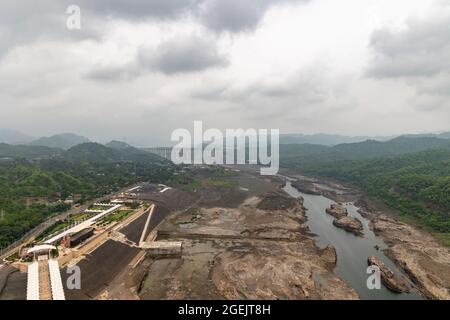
<point>327,139</point>
<point>63,141</point>
<point>121,151</point>
<point>444,135</point>
<point>13,137</point>
<point>98,153</point>
<point>335,139</point>
<point>27,152</point>
<point>304,153</point>
<point>114,144</point>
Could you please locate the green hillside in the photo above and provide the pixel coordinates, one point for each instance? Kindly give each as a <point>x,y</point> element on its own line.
<point>85,171</point>
<point>294,155</point>
<point>416,184</point>
<point>98,153</point>
<point>60,141</point>
<point>26,152</point>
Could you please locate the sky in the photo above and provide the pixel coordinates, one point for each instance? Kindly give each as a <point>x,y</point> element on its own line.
<point>136,70</point>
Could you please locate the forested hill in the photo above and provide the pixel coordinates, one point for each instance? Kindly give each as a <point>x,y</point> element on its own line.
<point>60,141</point>
<point>98,153</point>
<point>294,154</point>
<point>84,152</point>
<point>416,184</point>
<point>31,191</point>
<point>27,152</point>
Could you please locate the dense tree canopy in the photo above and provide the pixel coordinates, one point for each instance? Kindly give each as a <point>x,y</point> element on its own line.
<point>48,181</point>
<point>416,184</point>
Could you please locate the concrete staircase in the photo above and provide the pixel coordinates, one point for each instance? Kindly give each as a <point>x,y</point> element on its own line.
<point>45,288</point>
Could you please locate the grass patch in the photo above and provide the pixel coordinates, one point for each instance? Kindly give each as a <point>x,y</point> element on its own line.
<point>217,183</point>
<point>207,183</point>
<point>80,217</point>
<point>116,217</point>
<point>13,257</point>
<point>58,226</point>
<point>98,208</point>
<point>444,238</point>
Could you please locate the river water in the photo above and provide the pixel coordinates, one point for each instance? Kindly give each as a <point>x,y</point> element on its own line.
<point>352,251</point>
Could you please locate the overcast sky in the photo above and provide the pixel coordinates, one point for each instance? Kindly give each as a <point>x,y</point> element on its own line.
<point>138,69</point>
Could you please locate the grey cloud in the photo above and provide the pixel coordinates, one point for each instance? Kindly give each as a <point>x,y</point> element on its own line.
<point>179,55</point>
<point>25,22</point>
<point>183,55</point>
<point>232,15</point>
<point>113,73</point>
<point>132,9</point>
<point>302,94</point>
<point>419,55</point>
<point>236,15</point>
<point>218,15</point>
<point>423,49</point>
<point>306,85</point>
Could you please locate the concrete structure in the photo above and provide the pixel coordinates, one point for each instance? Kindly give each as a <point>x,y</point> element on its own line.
<point>100,204</point>
<point>134,189</point>
<point>75,239</point>
<point>147,222</point>
<point>163,248</point>
<point>55,280</point>
<point>44,277</point>
<point>41,252</point>
<point>33,281</point>
<point>83,225</point>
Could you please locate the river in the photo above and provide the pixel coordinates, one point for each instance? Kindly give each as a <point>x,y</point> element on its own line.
<point>352,251</point>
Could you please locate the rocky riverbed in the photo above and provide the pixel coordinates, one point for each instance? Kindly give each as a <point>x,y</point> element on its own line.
<point>259,246</point>
<point>337,211</point>
<point>424,260</point>
<point>259,249</point>
<point>350,224</point>
<point>392,281</point>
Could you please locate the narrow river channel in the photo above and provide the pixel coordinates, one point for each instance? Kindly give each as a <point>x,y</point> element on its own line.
<point>352,251</point>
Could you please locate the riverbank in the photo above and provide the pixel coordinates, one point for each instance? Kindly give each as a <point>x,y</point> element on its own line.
<point>255,248</point>
<point>416,252</point>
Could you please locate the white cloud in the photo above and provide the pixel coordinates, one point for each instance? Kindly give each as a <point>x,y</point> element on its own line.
<point>300,66</point>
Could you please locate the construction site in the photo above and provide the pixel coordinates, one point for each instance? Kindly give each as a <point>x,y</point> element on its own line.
<point>107,239</point>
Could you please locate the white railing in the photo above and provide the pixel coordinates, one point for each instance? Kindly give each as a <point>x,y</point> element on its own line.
<point>99,204</point>
<point>85,224</point>
<point>56,281</point>
<point>33,281</point>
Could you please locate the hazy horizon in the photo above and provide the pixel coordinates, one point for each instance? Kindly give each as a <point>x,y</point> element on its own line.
<point>136,72</point>
<point>30,138</point>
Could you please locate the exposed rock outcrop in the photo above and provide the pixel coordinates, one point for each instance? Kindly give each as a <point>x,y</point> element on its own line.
<point>278,201</point>
<point>393,282</point>
<point>305,187</point>
<point>283,274</point>
<point>337,211</point>
<point>329,256</point>
<point>418,254</point>
<point>349,224</point>
<point>260,250</point>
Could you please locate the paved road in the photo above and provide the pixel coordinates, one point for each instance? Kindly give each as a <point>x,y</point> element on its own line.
<point>44,225</point>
